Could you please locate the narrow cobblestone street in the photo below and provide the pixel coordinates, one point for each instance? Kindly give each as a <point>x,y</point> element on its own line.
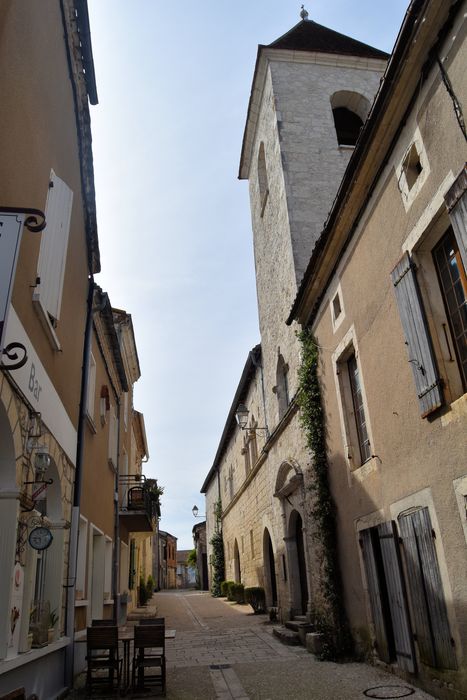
<point>223,652</point>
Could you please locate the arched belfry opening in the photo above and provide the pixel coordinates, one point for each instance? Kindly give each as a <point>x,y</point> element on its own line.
<point>349,110</point>
<point>237,569</point>
<point>269,570</point>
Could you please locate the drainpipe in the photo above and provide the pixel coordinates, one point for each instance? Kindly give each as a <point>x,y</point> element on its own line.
<point>116,548</point>
<point>70,588</point>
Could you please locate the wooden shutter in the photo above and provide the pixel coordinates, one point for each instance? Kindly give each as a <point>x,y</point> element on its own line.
<point>417,337</point>
<point>389,544</point>
<point>456,201</point>
<point>375,595</point>
<point>424,580</point>
<point>54,245</point>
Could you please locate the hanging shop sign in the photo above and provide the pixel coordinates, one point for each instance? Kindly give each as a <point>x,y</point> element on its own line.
<point>40,538</point>
<point>11,229</point>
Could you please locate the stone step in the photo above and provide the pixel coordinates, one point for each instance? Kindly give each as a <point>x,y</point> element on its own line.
<point>300,618</point>
<point>286,636</point>
<point>302,628</point>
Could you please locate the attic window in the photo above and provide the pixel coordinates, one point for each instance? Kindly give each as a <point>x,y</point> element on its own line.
<point>336,307</point>
<point>348,125</point>
<point>412,166</point>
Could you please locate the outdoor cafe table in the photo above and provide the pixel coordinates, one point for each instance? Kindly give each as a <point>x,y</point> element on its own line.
<point>126,636</point>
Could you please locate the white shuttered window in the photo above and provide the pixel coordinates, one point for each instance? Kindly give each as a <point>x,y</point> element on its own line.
<point>54,245</point>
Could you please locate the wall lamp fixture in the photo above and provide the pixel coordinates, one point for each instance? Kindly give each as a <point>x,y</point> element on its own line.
<point>195,511</point>
<point>241,416</point>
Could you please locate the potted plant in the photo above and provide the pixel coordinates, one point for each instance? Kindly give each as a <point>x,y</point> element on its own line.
<point>53,619</point>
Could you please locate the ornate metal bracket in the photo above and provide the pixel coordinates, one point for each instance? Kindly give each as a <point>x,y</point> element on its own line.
<point>34,221</point>
<point>10,351</point>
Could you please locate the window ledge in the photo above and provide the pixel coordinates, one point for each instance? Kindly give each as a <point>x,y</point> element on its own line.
<point>45,322</point>
<point>91,424</point>
<point>457,411</point>
<point>369,467</point>
<point>81,603</point>
<point>7,665</point>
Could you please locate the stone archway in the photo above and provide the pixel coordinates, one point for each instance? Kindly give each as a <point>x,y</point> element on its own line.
<point>237,569</point>
<point>289,489</point>
<point>269,565</point>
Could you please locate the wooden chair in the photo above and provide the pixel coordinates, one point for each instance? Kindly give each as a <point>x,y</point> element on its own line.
<point>104,663</point>
<point>102,623</point>
<point>149,655</point>
<point>153,621</point>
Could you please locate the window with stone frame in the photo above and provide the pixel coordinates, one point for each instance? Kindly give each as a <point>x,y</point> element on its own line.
<point>282,386</point>
<point>353,407</point>
<point>431,291</point>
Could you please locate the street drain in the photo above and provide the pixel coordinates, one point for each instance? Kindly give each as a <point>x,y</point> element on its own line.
<point>389,691</point>
<point>218,667</point>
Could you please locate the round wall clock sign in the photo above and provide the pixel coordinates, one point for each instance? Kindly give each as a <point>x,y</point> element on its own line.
<point>40,538</point>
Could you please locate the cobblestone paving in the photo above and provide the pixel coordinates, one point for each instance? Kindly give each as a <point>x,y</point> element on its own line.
<point>224,652</point>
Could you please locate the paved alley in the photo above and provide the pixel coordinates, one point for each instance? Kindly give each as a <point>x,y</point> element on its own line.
<point>222,651</point>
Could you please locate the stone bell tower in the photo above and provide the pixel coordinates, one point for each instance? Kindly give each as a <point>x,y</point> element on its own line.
<point>312,90</point>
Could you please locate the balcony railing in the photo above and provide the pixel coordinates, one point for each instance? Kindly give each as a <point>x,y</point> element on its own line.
<point>138,507</point>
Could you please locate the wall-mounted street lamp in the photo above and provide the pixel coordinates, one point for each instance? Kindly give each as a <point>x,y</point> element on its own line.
<point>241,416</point>
<point>195,511</point>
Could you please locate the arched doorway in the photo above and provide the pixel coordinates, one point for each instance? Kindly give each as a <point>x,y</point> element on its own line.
<point>8,526</point>
<point>237,569</point>
<point>269,570</point>
<point>298,564</point>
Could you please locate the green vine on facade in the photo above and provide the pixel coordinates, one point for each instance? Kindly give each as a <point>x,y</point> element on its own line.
<point>329,614</point>
<point>218,561</point>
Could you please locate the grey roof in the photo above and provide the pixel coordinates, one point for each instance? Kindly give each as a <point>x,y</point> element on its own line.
<point>311,36</point>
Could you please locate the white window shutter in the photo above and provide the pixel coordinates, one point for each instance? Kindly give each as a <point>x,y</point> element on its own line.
<point>54,245</point>
<point>90,399</point>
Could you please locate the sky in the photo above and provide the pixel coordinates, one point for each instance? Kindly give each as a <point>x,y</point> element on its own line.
<point>173,80</point>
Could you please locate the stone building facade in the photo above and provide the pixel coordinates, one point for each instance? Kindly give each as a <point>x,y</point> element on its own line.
<point>294,159</point>
<point>385,297</point>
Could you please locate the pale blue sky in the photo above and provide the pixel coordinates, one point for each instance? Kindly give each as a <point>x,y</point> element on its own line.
<point>174,222</point>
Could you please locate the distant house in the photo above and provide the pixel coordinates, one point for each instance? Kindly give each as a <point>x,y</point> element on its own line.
<point>186,575</point>
<point>167,561</point>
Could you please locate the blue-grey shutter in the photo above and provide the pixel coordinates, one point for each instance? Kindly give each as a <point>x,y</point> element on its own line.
<point>433,635</point>
<point>456,202</point>
<point>417,337</point>
<point>375,595</point>
<point>389,544</point>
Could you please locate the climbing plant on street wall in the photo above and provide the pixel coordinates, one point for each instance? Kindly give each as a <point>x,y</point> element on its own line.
<point>218,562</point>
<point>330,618</point>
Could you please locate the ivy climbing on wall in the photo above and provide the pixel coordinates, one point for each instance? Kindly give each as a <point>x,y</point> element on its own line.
<point>218,562</point>
<point>329,614</point>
